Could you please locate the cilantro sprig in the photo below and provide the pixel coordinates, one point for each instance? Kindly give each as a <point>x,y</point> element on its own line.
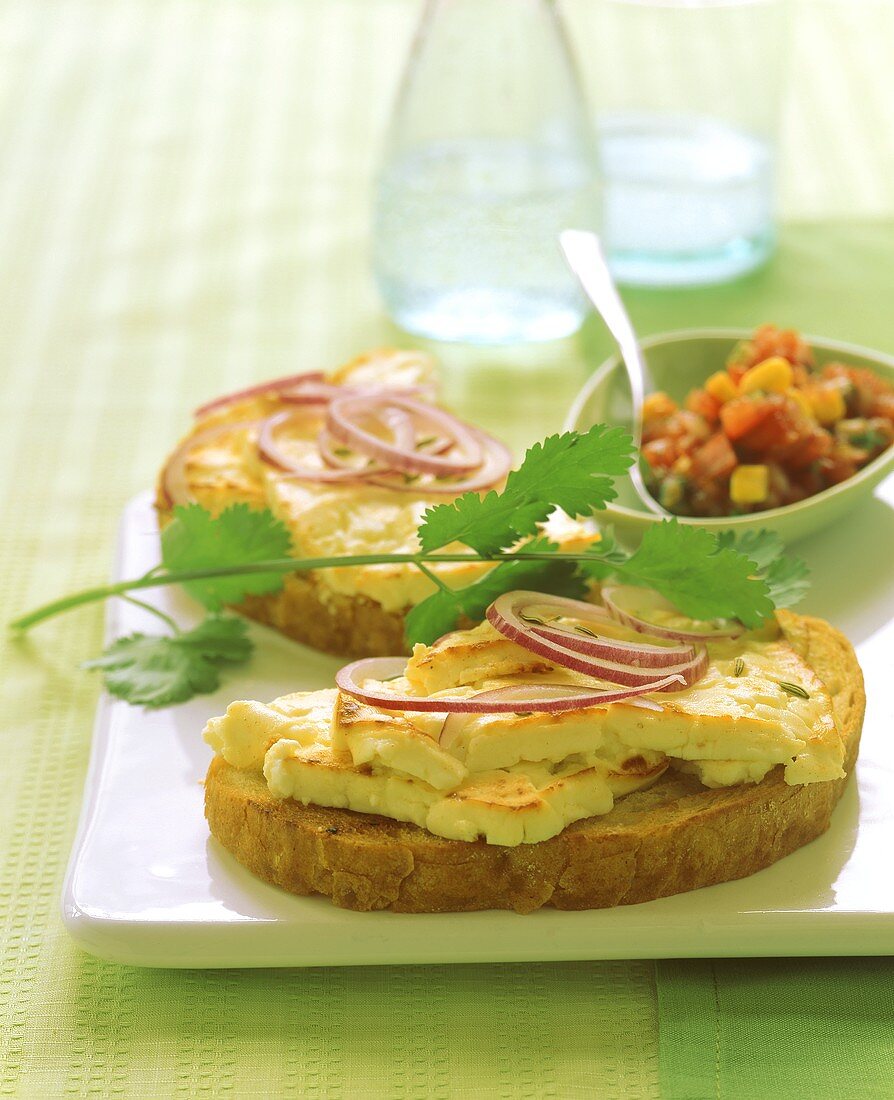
<point>569,471</point>
<point>156,670</point>
<point>220,560</point>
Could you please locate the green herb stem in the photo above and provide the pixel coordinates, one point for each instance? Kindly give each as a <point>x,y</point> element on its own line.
<point>276,565</point>
<point>433,577</point>
<point>165,618</point>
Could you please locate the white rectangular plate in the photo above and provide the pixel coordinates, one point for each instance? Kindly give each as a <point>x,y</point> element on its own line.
<point>146,884</point>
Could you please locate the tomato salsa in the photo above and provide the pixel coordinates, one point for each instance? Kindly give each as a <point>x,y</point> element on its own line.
<point>769,429</point>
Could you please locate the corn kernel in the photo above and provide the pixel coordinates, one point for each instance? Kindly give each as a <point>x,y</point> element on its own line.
<point>658,405</point>
<point>827,403</point>
<point>774,375</point>
<point>749,484</point>
<point>721,387</point>
<point>801,399</point>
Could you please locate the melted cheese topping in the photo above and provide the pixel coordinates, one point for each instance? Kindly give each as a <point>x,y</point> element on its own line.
<point>331,520</point>
<point>521,778</point>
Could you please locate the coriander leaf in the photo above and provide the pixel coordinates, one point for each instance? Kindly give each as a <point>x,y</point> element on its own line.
<point>569,471</point>
<point>787,577</point>
<point>437,614</point>
<point>788,580</point>
<point>704,580</point>
<point>761,546</point>
<point>220,638</point>
<point>440,612</point>
<point>240,535</point>
<point>157,670</point>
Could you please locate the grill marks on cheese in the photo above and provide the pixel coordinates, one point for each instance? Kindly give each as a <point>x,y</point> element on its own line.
<point>514,779</point>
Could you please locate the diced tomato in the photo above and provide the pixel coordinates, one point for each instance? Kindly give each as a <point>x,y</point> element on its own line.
<point>661,454</point>
<point>774,429</point>
<point>814,444</point>
<point>742,415</point>
<point>686,424</point>
<point>715,459</point>
<point>768,340</point>
<point>654,429</point>
<point>883,405</point>
<point>703,404</point>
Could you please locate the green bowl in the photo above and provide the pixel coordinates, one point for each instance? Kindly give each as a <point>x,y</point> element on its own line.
<point>680,360</point>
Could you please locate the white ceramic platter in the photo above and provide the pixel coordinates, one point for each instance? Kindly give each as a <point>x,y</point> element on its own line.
<point>146,885</point>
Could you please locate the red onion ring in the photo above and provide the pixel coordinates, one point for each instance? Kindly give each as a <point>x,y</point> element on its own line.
<point>341,420</point>
<point>504,614</point>
<point>319,394</point>
<point>396,421</point>
<point>638,654</point>
<point>497,460</point>
<point>612,649</point>
<point>456,449</point>
<point>174,484</point>
<point>612,594</point>
<point>385,668</point>
<point>271,452</point>
<point>276,385</point>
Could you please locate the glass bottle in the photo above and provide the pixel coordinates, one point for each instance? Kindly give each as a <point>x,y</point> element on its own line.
<point>489,155</point>
<point>689,95</point>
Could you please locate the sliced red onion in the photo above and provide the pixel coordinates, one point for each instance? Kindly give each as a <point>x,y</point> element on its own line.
<point>395,421</point>
<point>497,461</point>
<point>639,654</point>
<point>319,393</point>
<point>614,596</point>
<point>506,615</point>
<point>613,649</point>
<point>277,385</point>
<point>349,680</point>
<point>344,413</point>
<point>174,483</point>
<point>271,452</point>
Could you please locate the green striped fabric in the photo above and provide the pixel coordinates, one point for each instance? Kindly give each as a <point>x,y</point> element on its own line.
<point>183,208</point>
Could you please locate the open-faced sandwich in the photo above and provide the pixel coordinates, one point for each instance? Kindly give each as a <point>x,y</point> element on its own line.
<point>349,463</point>
<point>561,753</point>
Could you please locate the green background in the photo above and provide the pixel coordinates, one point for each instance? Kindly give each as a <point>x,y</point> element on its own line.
<point>183,207</point>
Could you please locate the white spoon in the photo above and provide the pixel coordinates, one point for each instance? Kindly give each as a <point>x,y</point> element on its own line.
<point>585,257</point>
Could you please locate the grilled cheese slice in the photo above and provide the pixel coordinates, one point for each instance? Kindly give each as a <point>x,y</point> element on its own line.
<point>521,778</point>
<point>523,804</point>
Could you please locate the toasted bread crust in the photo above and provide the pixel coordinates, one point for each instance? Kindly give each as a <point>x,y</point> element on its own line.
<point>346,626</point>
<point>673,837</point>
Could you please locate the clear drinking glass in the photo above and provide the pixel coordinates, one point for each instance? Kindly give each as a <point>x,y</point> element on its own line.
<point>687,96</point>
<point>489,155</point>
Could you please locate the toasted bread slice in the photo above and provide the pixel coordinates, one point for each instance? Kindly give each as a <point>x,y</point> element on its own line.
<point>672,837</point>
<point>352,612</point>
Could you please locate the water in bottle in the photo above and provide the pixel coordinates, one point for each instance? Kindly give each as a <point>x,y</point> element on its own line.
<point>490,155</point>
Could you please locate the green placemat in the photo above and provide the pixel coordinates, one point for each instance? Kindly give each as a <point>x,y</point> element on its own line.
<point>183,207</point>
<point>757,1029</point>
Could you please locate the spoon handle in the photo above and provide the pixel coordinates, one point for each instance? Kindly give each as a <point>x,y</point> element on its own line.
<point>585,257</point>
